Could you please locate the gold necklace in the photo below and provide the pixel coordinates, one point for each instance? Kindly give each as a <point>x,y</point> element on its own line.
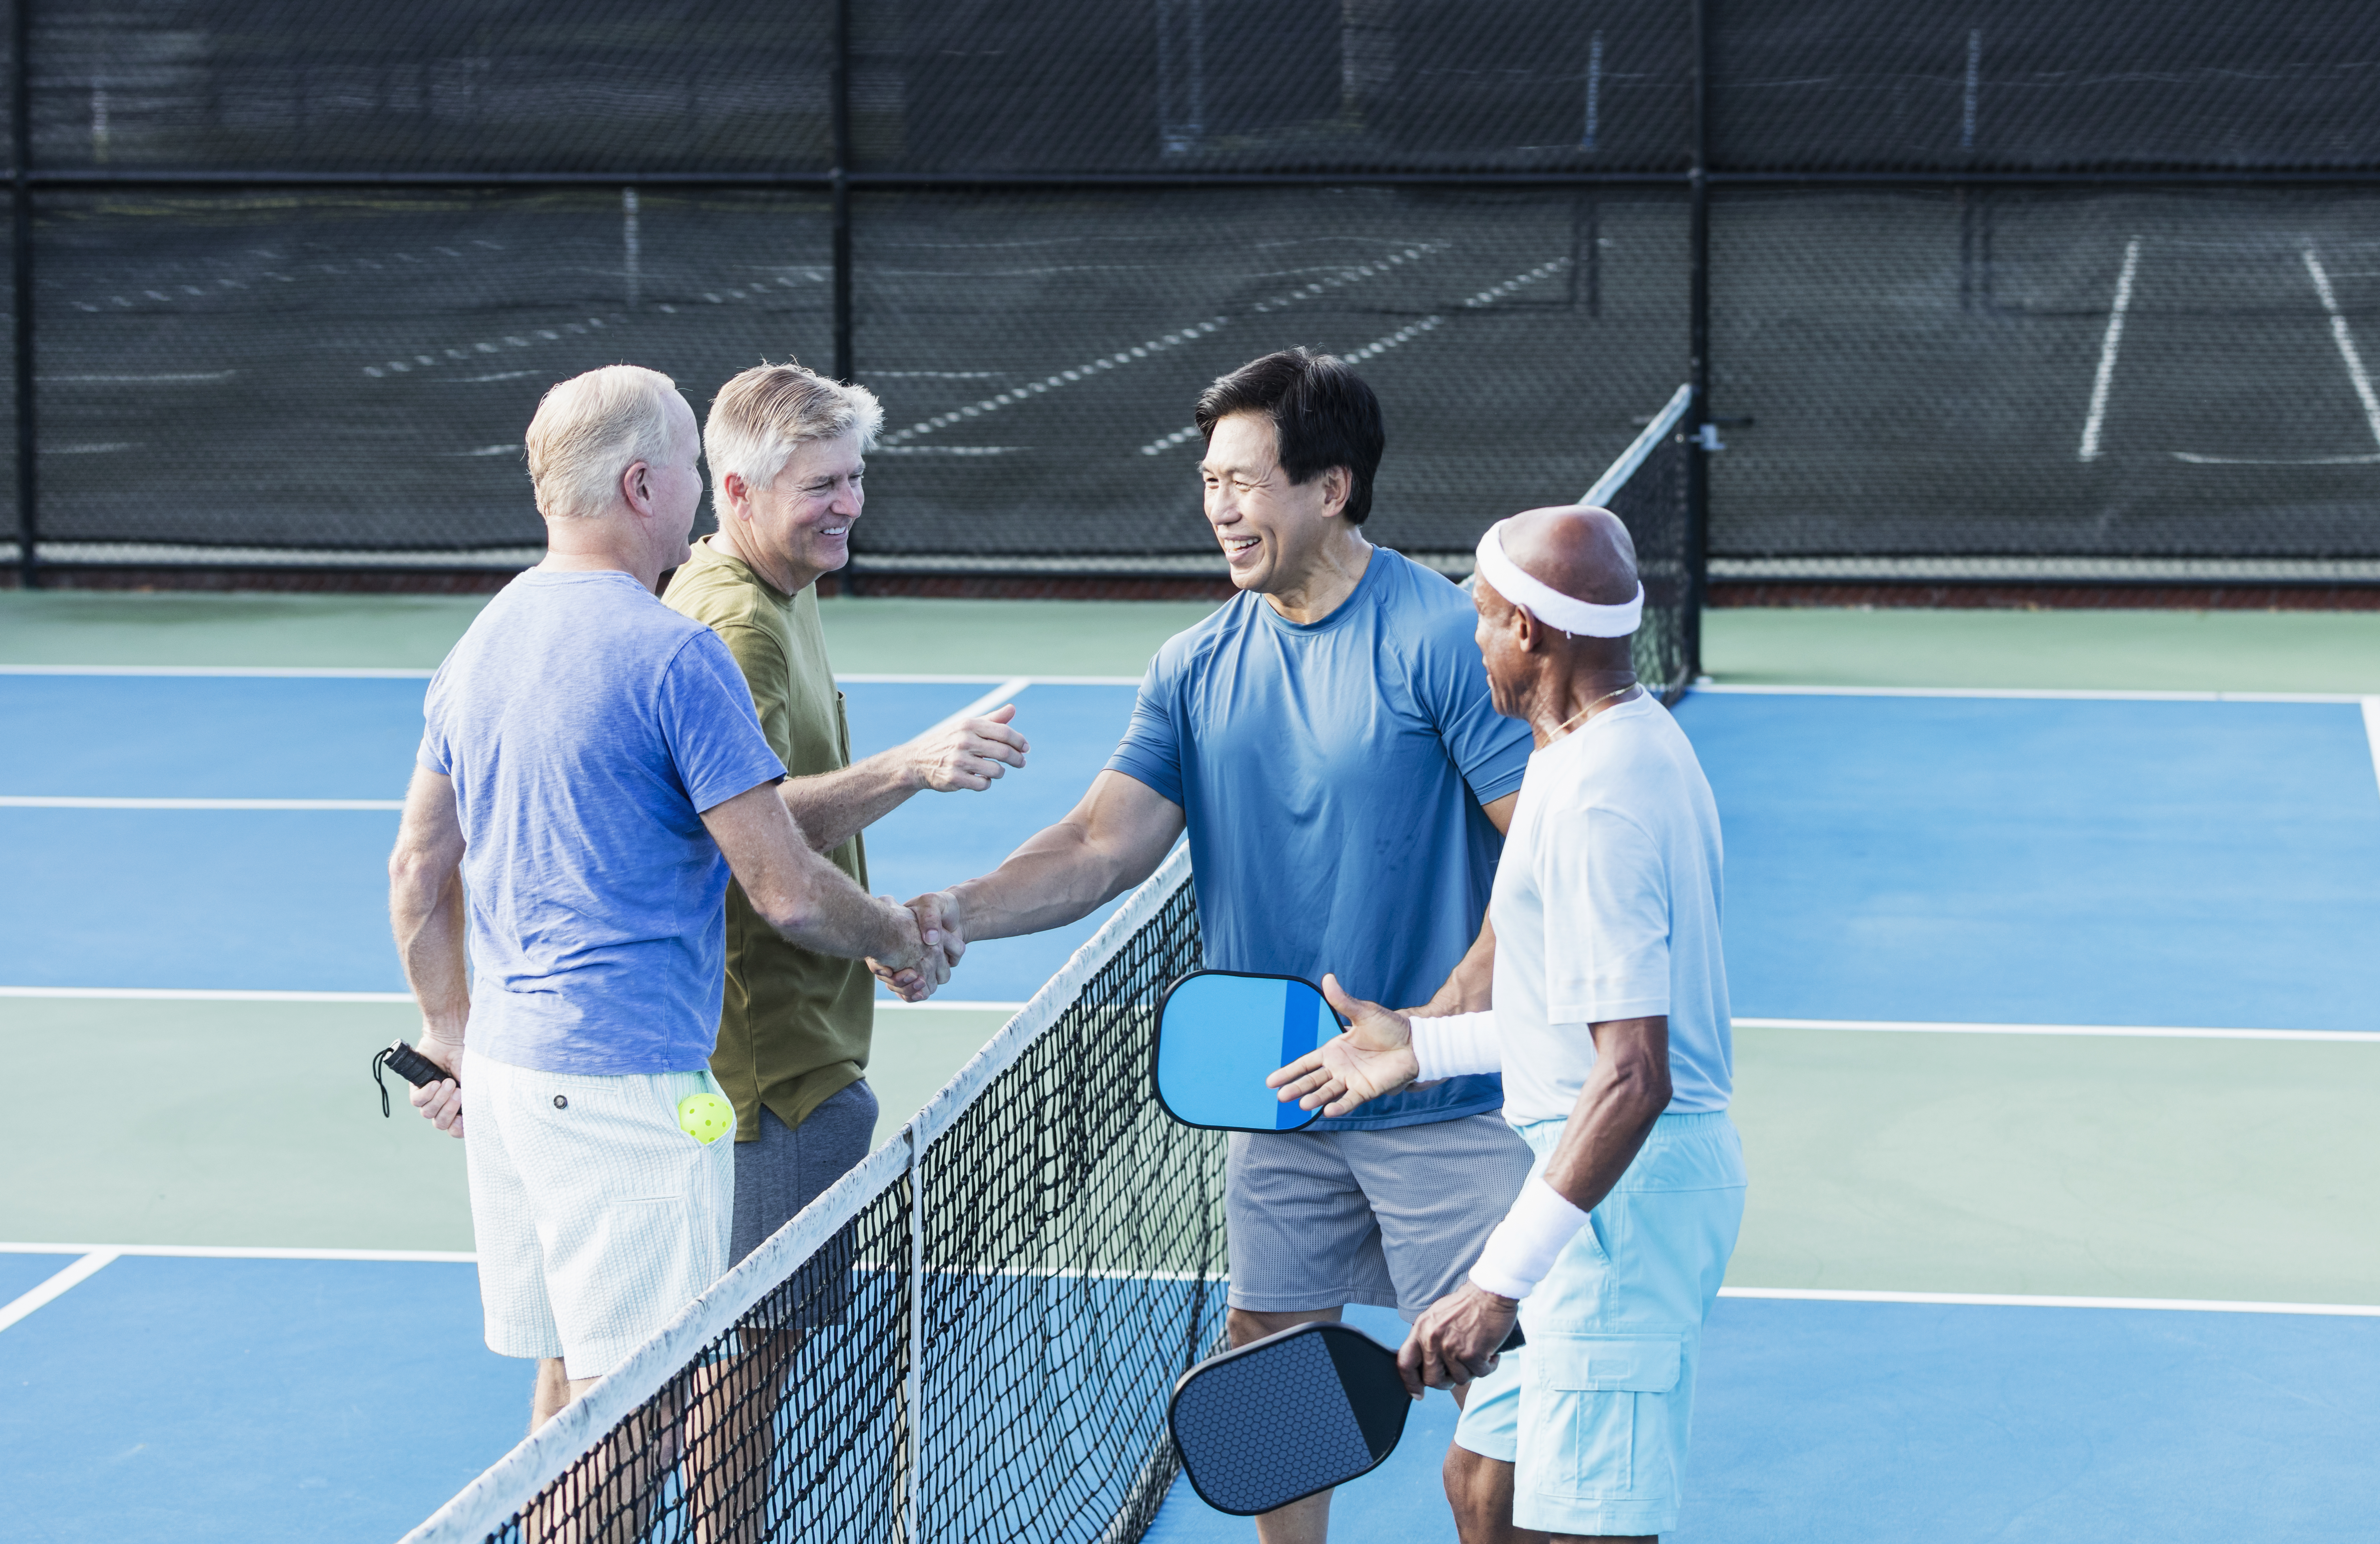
<point>1564,724</point>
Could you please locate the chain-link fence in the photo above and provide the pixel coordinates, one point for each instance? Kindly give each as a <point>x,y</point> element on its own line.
<point>2007,291</point>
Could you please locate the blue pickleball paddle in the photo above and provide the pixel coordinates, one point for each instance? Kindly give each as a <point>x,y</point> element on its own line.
<point>1221,1033</point>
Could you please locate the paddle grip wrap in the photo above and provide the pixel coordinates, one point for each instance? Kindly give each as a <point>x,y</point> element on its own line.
<point>414,1067</point>
<point>1526,1244</point>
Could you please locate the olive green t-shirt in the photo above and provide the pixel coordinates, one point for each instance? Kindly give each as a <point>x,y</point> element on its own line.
<point>794,1026</point>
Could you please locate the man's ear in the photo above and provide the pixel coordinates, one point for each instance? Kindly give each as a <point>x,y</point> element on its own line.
<point>637,487</point>
<point>735,490</point>
<point>1337,487</point>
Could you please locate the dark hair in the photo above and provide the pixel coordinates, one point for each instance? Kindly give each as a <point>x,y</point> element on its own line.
<point>1323,416</point>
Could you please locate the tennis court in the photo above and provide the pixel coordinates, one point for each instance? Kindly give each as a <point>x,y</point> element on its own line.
<point>2055,1053</point>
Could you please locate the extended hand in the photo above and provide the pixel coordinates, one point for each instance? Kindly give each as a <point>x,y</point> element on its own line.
<point>915,968</point>
<point>970,753</point>
<point>1456,1339</point>
<point>1372,1057</point>
<point>440,1103</point>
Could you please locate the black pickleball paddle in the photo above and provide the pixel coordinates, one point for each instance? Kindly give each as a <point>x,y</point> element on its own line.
<point>1280,1418</point>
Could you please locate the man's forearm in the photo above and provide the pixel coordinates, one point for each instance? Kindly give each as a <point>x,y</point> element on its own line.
<point>1470,986</point>
<point>833,808</point>
<point>426,911</point>
<point>1614,1113</point>
<point>1056,878</point>
<point>819,907</point>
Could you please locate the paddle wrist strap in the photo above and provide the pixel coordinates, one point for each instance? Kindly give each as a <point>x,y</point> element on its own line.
<point>1455,1045</point>
<point>1526,1244</point>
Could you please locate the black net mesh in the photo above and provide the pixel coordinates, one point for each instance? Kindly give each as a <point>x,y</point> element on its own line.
<point>352,371</point>
<point>1048,260</point>
<point>1039,358</point>
<point>1074,1266</point>
<point>1654,505</point>
<point>1982,373</point>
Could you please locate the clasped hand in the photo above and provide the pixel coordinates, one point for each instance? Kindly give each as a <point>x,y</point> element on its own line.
<point>940,929</point>
<point>1372,1056</point>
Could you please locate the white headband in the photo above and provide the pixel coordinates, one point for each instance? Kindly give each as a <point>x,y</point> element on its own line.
<point>1549,606</point>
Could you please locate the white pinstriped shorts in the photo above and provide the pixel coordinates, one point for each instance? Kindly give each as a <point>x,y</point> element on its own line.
<point>596,1217</point>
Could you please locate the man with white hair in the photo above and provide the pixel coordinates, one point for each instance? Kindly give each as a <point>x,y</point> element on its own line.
<point>590,773</point>
<point>1609,1021</point>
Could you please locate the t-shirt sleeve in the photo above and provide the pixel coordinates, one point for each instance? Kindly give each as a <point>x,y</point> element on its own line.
<point>767,678</point>
<point>434,755</point>
<point>708,721</point>
<point>1151,748</point>
<point>1606,908</point>
<point>1451,682</point>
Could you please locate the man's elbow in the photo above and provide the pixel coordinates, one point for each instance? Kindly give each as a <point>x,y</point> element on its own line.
<point>1645,1084</point>
<point>413,868</point>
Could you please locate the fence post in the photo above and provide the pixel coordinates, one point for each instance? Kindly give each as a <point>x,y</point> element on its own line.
<point>1698,325</point>
<point>840,89</point>
<point>20,135</point>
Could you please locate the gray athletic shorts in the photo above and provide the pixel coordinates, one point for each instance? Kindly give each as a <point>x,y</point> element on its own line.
<point>783,1172</point>
<point>1319,1219</point>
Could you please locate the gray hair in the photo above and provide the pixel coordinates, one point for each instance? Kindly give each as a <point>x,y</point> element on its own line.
<point>762,416</point>
<point>590,429</point>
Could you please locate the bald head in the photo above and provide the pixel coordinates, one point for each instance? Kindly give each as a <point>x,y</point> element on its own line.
<point>1579,550</point>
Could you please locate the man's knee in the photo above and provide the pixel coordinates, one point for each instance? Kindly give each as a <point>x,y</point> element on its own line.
<point>1479,1489</point>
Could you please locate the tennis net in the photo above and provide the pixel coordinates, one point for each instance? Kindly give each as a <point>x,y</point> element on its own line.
<point>972,1335</point>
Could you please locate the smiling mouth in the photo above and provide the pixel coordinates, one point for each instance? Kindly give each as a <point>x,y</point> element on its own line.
<point>1234,546</point>
<point>835,530</point>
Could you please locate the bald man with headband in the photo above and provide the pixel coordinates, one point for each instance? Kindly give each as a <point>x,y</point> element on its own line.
<point>1610,1025</point>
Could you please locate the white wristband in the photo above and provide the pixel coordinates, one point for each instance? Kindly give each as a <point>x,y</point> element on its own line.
<point>1525,1244</point>
<point>1455,1045</point>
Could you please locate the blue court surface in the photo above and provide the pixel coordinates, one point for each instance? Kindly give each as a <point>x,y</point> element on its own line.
<point>1939,859</point>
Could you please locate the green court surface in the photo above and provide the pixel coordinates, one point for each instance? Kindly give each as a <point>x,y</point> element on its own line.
<point>2241,650</point>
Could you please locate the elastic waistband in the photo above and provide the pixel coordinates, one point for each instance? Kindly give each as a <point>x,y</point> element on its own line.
<point>1679,1124</point>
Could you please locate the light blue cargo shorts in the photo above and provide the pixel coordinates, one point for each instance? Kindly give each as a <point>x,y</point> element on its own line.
<point>1593,1414</point>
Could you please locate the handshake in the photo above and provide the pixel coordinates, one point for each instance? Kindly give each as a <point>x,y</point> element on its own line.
<point>940,935</point>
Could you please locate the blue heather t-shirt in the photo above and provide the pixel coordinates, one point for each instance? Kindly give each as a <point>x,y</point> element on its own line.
<point>586,726</point>
<point>1331,774</point>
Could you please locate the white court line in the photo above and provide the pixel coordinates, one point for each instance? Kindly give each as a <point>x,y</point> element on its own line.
<point>2372,731</point>
<point>2046,693</point>
<point>238,1251</point>
<point>2346,341</point>
<point>2107,377</point>
<point>2014,1300</point>
<point>265,669</point>
<point>2119,1031</point>
<point>56,1286</point>
<point>61,801</point>
<point>981,706</point>
<point>875,678</point>
<point>201,994</point>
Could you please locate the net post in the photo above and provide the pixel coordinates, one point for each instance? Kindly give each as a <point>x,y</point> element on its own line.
<point>20,134</point>
<point>914,1375</point>
<point>1698,324</point>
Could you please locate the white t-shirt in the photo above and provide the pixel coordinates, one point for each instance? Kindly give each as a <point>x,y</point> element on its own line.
<point>1607,906</point>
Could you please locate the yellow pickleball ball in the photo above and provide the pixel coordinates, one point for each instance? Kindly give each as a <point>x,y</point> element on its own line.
<point>705,1117</point>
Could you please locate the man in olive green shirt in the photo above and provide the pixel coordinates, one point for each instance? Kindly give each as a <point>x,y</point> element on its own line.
<point>785,447</point>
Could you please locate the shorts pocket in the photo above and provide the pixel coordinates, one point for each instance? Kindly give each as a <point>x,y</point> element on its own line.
<point>1596,1413</point>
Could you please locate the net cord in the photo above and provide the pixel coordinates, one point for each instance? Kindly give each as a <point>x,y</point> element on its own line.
<point>507,1488</point>
<point>1616,476</point>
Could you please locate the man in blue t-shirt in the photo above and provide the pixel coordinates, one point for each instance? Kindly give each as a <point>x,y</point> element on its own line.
<point>1327,739</point>
<point>591,770</point>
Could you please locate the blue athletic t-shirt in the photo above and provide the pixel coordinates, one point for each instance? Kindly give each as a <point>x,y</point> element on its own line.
<point>1331,774</point>
<point>586,726</point>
